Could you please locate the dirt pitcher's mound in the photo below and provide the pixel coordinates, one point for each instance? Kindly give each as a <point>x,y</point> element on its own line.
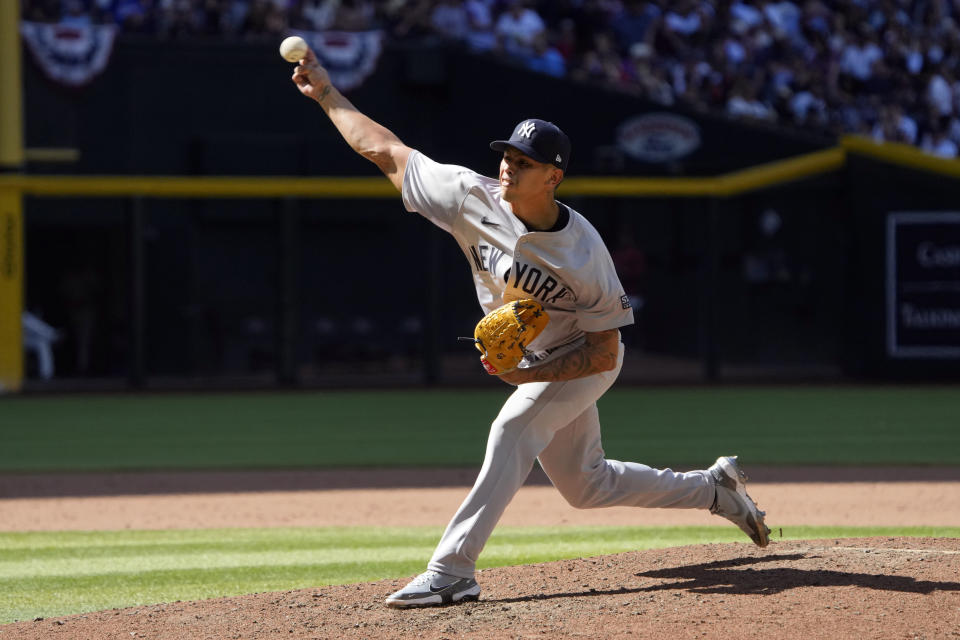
<point>848,588</point>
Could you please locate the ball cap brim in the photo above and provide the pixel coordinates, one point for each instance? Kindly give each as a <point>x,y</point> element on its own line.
<point>541,140</point>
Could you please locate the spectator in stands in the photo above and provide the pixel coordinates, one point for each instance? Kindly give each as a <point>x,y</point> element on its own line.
<point>449,19</point>
<point>953,130</point>
<point>409,18</point>
<point>733,54</point>
<point>911,54</point>
<point>645,78</point>
<point>814,20</point>
<point>744,101</point>
<point>635,23</point>
<point>318,15</point>
<point>685,26</point>
<point>263,18</point>
<point>183,20</point>
<point>784,18</point>
<point>857,59</point>
<point>883,68</point>
<point>480,36</point>
<point>807,105</point>
<point>937,141</point>
<point>601,63</point>
<point>544,58</point>
<point>133,16</point>
<point>355,15</point>
<point>517,27</point>
<point>895,126</point>
<point>744,15</point>
<point>567,42</point>
<point>692,82</point>
<point>939,92</point>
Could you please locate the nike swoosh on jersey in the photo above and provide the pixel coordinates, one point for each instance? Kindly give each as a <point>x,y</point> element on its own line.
<point>487,221</point>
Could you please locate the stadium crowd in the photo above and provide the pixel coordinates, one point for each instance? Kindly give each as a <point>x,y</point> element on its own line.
<point>882,68</point>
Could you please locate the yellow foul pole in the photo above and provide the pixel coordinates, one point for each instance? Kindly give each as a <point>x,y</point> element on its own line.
<point>11,200</point>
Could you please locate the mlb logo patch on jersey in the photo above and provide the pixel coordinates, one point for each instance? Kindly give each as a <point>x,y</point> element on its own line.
<point>625,302</point>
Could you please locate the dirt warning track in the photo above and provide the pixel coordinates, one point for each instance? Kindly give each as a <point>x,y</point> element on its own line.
<point>926,496</point>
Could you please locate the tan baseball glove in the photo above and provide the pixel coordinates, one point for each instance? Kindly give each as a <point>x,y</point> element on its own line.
<point>503,334</point>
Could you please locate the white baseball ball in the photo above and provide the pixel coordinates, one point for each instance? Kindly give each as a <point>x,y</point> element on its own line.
<point>293,49</point>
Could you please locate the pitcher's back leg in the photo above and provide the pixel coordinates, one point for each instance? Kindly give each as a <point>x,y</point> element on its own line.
<point>575,463</point>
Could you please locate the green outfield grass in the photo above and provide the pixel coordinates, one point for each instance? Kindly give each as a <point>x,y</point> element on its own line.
<point>55,574</point>
<point>664,426</point>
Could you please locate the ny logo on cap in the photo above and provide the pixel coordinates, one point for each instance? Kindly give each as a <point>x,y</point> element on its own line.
<point>526,129</point>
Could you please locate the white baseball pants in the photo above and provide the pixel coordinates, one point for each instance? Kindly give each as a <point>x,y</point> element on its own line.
<point>535,423</point>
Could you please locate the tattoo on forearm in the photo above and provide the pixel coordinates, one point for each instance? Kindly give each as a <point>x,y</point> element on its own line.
<point>323,94</point>
<point>579,363</point>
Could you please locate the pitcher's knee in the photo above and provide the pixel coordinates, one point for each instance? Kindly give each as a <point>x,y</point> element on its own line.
<point>588,497</point>
<point>580,500</point>
<point>590,492</point>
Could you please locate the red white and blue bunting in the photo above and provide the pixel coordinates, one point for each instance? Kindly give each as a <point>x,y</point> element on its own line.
<point>69,54</point>
<point>349,56</point>
<point>75,54</point>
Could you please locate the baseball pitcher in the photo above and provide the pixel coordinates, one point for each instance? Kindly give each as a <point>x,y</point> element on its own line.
<point>544,269</point>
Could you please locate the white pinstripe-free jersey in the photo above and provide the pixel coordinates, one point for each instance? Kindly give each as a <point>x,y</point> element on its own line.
<point>568,270</point>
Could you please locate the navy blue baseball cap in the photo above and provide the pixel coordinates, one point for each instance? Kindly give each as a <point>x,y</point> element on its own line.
<point>541,140</point>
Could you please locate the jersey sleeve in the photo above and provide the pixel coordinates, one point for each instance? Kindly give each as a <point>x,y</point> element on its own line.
<point>435,190</point>
<point>602,303</point>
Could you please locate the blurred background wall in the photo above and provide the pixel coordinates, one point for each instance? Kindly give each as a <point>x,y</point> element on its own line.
<point>847,273</point>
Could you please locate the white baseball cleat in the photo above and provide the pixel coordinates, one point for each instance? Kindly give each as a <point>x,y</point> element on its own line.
<point>733,503</point>
<point>432,588</point>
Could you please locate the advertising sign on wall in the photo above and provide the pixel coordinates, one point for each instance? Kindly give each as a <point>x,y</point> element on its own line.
<point>923,285</point>
<point>658,137</point>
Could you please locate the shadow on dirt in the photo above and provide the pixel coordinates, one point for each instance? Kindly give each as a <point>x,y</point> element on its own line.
<point>738,577</point>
